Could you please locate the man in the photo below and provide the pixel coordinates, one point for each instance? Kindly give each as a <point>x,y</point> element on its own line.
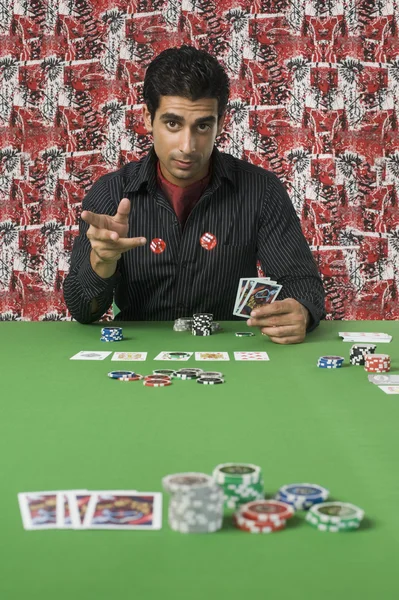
<point>173,233</point>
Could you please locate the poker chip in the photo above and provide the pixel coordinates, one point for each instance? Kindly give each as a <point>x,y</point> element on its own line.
<point>377,363</point>
<point>157,245</point>
<point>335,516</point>
<point>358,353</point>
<point>196,504</point>
<point>183,324</point>
<point>212,374</point>
<point>157,383</point>
<point>267,511</point>
<point>240,482</point>
<point>202,324</point>
<point>330,362</point>
<point>167,372</point>
<point>118,374</point>
<point>157,378</point>
<point>111,334</point>
<point>210,380</point>
<point>208,241</point>
<point>178,355</point>
<point>302,496</point>
<point>256,526</point>
<point>188,373</point>
<point>244,334</point>
<point>135,378</point>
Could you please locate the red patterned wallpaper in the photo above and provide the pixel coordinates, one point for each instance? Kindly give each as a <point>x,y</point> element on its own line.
<point>314,97</point>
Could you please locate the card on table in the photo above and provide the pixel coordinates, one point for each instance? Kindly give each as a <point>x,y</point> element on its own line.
<point>364,336</point>
<point>212,356</point>
<point>70,517</point>
<point>389,389</point>
<point>90,355</point>
<point>40,510</point>
<point>124,510</point>
<point>127,356</point>
<point>173,355</point>
<point>384,379</point>
<point>250,355</point>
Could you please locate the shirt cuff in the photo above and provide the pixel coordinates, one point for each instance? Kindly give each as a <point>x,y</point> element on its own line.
<point>314,314</point>
<point>92,284</point>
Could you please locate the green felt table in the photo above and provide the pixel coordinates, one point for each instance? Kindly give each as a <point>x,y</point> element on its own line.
<point>66,425</point>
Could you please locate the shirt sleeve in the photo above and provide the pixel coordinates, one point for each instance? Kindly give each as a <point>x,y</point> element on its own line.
<point>285,255</point>
<point>82,285</point>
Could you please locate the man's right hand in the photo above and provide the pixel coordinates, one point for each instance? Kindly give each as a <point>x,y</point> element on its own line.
<point>108,239</point>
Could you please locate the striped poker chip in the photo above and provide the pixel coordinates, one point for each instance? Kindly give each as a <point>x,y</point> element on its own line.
<point>251,526</point>
<point>332,359</point>
<point>302,495</point>
<point>157,378</point>
<point>184,482</point>
<point>244,334</point>
<point>118,374</point>
<point>210,380</point>
<point>165,372</point>
<point>212,374</point>
<point>267,511</point>
<point>237,473</point>
<point>159,383</point>
<point>135,378</point>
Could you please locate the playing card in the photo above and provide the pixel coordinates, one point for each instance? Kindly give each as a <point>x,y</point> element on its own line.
<point>122,356</point>
<point>212,356</point>
<point>69,512</point>
<point>389,389</point>
<point>384,379</point>
<point>242,355</point>
<point>364,336</point>
<point>173,355</point>
<point>90,355</point>
<point>124,510</point>
<point>259,294</point>
<point>40,510</point>
<point>242,286</point>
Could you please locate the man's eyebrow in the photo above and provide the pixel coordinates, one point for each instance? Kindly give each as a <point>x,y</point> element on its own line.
<point>172,117</point>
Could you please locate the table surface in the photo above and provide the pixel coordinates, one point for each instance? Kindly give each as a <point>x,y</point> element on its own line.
<point>66,425</point>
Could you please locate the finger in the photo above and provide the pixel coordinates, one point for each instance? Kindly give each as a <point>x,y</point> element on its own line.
<point>276,320</point>
<point>93,219</point>
<point>288,340</point>
<point>278,307</point>
<point>122,214</point>
<point>125,244</point>
<point>283,332</point>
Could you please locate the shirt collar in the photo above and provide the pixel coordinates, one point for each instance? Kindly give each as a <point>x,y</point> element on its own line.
<point>146,173</point>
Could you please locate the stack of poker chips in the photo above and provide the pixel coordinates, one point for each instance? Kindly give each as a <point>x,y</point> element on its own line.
<point>377,363</point>
<point>330,362</point>
<point>335,516</point>
<point>264,516</point>
<point>358,353</point>
<point>302,496</point>
<point>240,482</point>
<point>196,504</point>
<point>186,324</point>
<point>125,375</point>
<point>202,324</point>
<point>111,334</point>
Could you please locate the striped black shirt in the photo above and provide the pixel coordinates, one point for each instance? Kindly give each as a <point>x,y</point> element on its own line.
<point>248,210</point>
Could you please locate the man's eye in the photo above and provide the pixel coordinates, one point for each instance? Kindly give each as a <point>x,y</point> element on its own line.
<point>172,123</point>
<point>203,127</point>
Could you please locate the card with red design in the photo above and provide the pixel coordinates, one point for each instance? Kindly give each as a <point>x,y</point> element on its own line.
<point>124,510</point>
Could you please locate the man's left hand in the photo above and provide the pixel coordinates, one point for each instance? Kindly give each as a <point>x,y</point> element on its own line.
<point>284,321</point>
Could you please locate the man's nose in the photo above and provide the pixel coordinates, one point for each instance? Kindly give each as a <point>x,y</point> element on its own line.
<point>187,143</point>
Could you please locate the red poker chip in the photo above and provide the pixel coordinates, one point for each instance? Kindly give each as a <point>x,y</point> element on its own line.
<point>157,245</point>
<point>149,383</point>
<point>208,241</point>
<point>267,510</point>
<point>135,378</point>
<point>256,526</point>
<point>157,378</point>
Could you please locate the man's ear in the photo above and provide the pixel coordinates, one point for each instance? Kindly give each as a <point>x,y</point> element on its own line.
<point>147,118</point>
<point>221,123</point>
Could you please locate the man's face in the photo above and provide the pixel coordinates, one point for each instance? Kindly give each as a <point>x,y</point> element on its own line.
<point>184,134</point>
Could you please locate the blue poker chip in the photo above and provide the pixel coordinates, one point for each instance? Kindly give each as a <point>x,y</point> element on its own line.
<point>118,374</point>
<point>111,334</point>
<point>302,496</point>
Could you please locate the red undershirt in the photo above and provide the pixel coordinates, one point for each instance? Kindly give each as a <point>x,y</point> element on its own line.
<point>182,200</point>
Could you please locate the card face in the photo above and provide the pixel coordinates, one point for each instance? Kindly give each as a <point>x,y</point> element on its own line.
<point>364,336</point>
<point>40,510</point>
<point>212,356</point>
<point>389,389</point>
<point>173,355</point>
<point>242,355</point>
<point>90,355</point>
<point>69,513</point>
<point>242,286</point>
<point>124,510</point>
<point>128,356</point>
<point>258,295</point>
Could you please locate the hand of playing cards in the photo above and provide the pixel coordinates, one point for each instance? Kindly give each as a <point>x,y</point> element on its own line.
<point>253,293</point>
<point>82,509</point>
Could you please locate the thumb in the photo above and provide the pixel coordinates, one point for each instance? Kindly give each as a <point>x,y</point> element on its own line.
<point>122,214</point>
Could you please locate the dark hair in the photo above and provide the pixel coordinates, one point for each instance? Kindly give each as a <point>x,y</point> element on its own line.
<point>185,72</point>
